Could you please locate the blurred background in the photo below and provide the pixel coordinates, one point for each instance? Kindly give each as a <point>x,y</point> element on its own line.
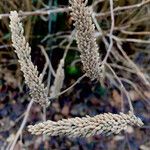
<point>48,28</point>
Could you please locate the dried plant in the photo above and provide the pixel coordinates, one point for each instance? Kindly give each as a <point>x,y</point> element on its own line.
<point>32,78</point>
<point>86,41</point>
<point>107,123</point>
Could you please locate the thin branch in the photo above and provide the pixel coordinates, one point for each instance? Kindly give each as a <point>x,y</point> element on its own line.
<point>123,8</point>
<point>133,65</point>
<point>71,38</point>
<point>135,33</point>
<point>78,80</point>
<point>134,86</point>
<point>38,12</point>
<point>47,60</point>
<point>122,68</point>
<point>21,127</point>
<point>111,32</point>
<point>122,87</point>
<point>130,40</point>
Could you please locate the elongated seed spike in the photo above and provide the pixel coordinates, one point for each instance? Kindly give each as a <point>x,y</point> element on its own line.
<point>87,126</point>
<point>32,78</point>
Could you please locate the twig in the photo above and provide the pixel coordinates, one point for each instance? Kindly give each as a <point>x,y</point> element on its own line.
<point>123,68</point>
<point>102,34</point>
<point>134,86</point>
<point>122,87</point>
<point>78,80</point>
<point>71,38</point>
<point>96,3</point>
<point>111,33</point>
<point>135,33</point>
<point>132,22</point>
<point>130,40</point>
<point>21,127</point>
<point>123,8</point>
<point>133,65</point>
<point>38,12</point>
<point>58,34</point>
<point>5,46</point>
<point>47,60</point>
<point>44,119</point>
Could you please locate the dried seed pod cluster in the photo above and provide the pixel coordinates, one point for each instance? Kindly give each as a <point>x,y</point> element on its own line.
<point>86,41</point>
<point>32,78</point>
<point>107,123</point>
